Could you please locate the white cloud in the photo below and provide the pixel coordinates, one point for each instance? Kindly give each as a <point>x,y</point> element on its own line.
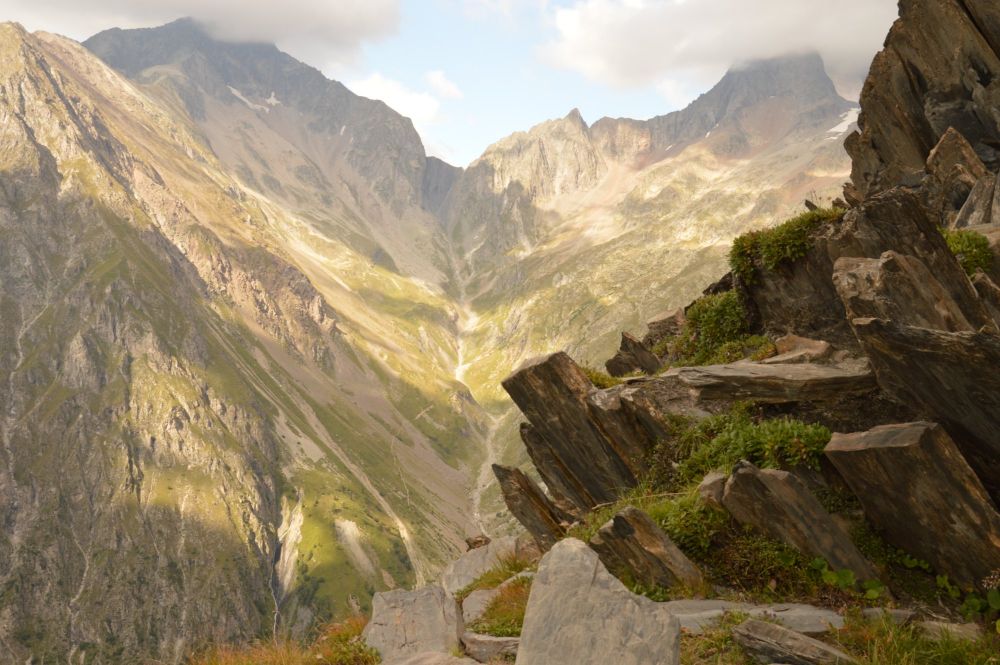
<point>420,107</point>
<point>633,43</point>
<point>324,31</point>
<point>442,85</point>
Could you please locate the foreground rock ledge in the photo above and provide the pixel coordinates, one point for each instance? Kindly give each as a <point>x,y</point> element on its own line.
<point>407,623</point>
<point>917,488</point>
<point>777,384</point>
<point>579,613</point>
<point>771,643</point>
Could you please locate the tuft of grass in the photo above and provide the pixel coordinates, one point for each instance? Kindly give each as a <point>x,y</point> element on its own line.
<point>693,525</point>
<point>600,379</point>
<point>337,644</point>
<point>884,642</point>
<point>504,615</point>
<point>715,331</point>
<point>972,249</point>
<point>783,244</point>
<point>505,568</point>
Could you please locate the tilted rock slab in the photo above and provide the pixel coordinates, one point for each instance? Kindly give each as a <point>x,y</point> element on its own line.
<point>697,615</point>
<point>632,356</point>
<point>464,570</point>
<point>777,384</point>
<point>949,375</point>
<point>531,507</point>
<point>407,623</point>
<point>916,487</point>
<point>632,542</point>
<point>771,643</point>
<point>953,169</point>
<point>781,506</point>
<point>579,613</point>
<point>574,458</point>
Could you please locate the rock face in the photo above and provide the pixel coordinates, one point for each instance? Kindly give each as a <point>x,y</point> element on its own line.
<point>490,649</point>
<point>464,570</point>
<point>579,613</point>
<point>953,170</point>
<point>633,544</point>
<point>943,373</point>
<point>769,643</point>
<point>698,615</point>
<point>529,505</point>
<point>940,69</point>
<point>917,488</point>
<point>408,623</point>
<point>780,505</point>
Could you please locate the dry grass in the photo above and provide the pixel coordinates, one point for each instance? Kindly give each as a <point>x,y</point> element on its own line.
<point>504,616</point>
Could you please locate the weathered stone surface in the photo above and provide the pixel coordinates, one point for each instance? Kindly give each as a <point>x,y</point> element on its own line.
<point>953,169</point>
<point>632,356</point>
<point>631,542</point>
<point>475,604</point>
<point>770,643</point>
<point>919,491</point>
<point>795,349</point>
<point>779,504</point>
<point>579,613</point>
<point>777,384</point>
<point>430,658</point>
<point>939,630</point>
<point>801,298</point>
<point>571,454</point>
<point>407,623</point>
<point>528,504</point>
<point>527,547</point>
<point>946,375</point>
<point>939,69</point>
<point>489,649</point>
<point>464,570</point>
<point>662,326</point>
<point>697,615</point>
<point>475,542</point>
<point>902,289</point>
<point>978,208</point>
<point>712,487</point>
<point>989,293</point>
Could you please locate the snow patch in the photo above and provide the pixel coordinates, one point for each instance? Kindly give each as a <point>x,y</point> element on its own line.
<point>847,119</point>
<point>255,107</point>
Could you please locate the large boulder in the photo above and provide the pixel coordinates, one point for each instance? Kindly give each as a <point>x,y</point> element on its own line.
<point>531,507</point>
<point>579,613</point>
<point>464,570</point>
<point>902,289</point>
<point>771,643</point>
<point>632,543</point>
<point>948,375</point>
<point>407,623</point>
<point>939,69</point>
<point>920,492</point>
<point>780,505</point>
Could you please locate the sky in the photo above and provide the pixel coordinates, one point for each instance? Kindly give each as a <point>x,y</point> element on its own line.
<point>469,72</point>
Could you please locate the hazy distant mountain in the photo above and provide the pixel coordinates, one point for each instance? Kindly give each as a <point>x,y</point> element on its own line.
<point>256,336</point>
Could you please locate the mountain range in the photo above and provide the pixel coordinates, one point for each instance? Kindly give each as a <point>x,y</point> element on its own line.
<point>254,336</point>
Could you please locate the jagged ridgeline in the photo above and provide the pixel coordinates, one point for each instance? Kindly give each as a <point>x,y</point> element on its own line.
<point>821,425</point>
<point>253,337</point>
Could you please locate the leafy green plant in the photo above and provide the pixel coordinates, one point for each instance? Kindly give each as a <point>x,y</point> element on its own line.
<point>783,244</point>
<point>972,249</point>
<point>690,523</point>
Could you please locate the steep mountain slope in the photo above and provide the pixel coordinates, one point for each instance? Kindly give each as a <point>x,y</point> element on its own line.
<point>193,447</point>
<point>257,335</point>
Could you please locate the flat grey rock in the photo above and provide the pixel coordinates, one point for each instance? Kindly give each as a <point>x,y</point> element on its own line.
<point>430,658</point>
<point>475,604</point>
<point>697,615</point>
<point>579,613</point>
<point>407,623</point>
<point>464,570</point>
<point>938,630</point>
<point>487,648</point>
